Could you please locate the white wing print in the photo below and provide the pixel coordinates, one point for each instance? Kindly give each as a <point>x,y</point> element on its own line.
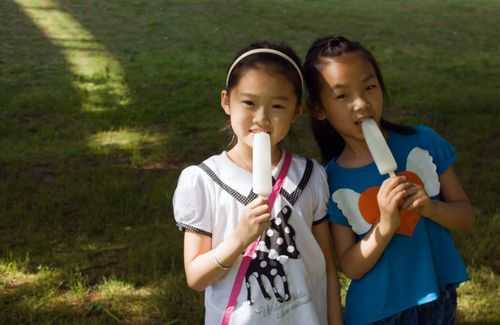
<point>420,162</point>
<point>347,200</point>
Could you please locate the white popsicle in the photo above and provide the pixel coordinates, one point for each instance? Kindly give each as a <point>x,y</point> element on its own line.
<point>378,147</point>
<point>261,166</point>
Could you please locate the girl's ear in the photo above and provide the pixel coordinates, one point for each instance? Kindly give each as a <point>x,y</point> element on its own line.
<point>224,101</point>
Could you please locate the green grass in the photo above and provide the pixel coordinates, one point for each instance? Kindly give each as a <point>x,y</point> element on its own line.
<point>102,103</point>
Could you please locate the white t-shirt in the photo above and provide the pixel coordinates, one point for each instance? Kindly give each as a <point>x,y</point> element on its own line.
<point>286,281</point>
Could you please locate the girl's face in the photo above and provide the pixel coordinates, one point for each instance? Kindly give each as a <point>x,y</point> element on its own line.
<point>350,92</point>
<point>261,101</point>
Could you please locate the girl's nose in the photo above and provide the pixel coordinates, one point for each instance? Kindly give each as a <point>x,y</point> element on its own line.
<point>261,116</point>
<point>361,106</point>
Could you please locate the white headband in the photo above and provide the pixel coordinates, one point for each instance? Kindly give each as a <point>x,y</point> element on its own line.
<point>265,50</point>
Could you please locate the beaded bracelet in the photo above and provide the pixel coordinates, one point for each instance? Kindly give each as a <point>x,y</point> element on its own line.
<point>219,263</point>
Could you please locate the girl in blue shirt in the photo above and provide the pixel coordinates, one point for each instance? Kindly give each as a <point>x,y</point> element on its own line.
<point>392,234</point>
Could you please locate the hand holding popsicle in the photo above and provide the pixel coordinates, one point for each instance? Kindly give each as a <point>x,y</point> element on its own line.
<point>390,197</point>
<point>254,220</point>
<point>256,216</point>
<point>394,196</point>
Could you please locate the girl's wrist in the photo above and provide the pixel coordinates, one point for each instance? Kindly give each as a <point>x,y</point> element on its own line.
<point>237,241</point>
<point>429,210</point>
<point>386,227</point>
<point>218,262</point>
<point>225,254</point>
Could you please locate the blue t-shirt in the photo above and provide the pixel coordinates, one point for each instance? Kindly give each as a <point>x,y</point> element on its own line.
<point>414,268</point>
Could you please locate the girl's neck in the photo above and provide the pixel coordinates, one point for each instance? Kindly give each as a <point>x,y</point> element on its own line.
<point>242,156</point>
<point>354,156</point>
<point>356,153</point>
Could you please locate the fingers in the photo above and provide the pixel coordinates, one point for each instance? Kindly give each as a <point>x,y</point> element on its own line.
<point>264,218</point>
<point>394,189</point>
<point>259,210</point>
<point>415,199</point>
<point>414,202</point>
<point>389,184</point>
<point>400,191</point>
<point>260,223</point>
<point>260,200</point>
<point>410,201</point>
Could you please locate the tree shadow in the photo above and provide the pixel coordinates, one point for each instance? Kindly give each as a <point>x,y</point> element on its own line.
<point>120,302</point>
<point>83,172</point>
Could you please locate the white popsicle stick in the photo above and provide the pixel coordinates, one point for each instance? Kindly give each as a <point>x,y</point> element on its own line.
<point>261,165</point>
<point>381,154</point>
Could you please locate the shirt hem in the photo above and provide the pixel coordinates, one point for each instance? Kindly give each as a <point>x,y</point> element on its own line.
<point>184,227</point>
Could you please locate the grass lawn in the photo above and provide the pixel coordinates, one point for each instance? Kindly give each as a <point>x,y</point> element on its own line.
<point>102,103</point>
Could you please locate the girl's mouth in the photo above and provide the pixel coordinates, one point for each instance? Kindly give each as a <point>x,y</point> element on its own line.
<point>259,131</point>
<point>359,121</point>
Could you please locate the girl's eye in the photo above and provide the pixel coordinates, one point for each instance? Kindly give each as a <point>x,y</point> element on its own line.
<point>340,96</point>
<point>247,103</point>
<point>370,87</point>
<point>279,106</point>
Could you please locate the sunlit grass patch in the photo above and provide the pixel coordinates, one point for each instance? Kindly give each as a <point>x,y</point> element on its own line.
<point>479,297</point>
<point>124,139</point>
<point>15,273</point>
<point>137,146</point>
<point>123,301</point>
<point>86,56</point>
<point>113,287</point>
<point>26,287</point>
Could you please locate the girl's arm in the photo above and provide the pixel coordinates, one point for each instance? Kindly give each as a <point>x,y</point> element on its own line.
<point>205,265</point>
<point>200,263</point>
<point>322,234</point>
<point>357,258</point>
<point>454,212</point>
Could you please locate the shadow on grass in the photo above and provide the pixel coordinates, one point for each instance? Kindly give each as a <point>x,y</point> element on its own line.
<point>87,171</point>
<point>49,299</point>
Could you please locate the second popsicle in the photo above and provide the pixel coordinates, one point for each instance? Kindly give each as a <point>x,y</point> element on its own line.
<point>378,147</point>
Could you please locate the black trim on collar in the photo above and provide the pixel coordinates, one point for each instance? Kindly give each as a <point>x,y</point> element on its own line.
<point>245,200</point>
<point>294,196</point>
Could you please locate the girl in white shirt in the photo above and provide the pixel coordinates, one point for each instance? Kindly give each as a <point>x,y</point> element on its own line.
<point>291,278</point>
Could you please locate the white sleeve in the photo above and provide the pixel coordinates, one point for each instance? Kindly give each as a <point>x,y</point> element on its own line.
<point>321,193</point>
<point>192,202</point>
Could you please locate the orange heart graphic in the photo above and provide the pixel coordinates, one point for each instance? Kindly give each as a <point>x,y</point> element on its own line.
<point>368,206</point>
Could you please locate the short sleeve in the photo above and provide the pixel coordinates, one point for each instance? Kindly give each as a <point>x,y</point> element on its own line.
<point>192,203</point>
<point>334,213</point>
<point>441,150</point>
<point>321,193</point>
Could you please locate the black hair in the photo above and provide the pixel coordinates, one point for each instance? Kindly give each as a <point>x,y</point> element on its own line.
<point>330,143</point>
<point>269,60</point>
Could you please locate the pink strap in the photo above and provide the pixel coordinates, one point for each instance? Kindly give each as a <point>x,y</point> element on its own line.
<point>247,257</point>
